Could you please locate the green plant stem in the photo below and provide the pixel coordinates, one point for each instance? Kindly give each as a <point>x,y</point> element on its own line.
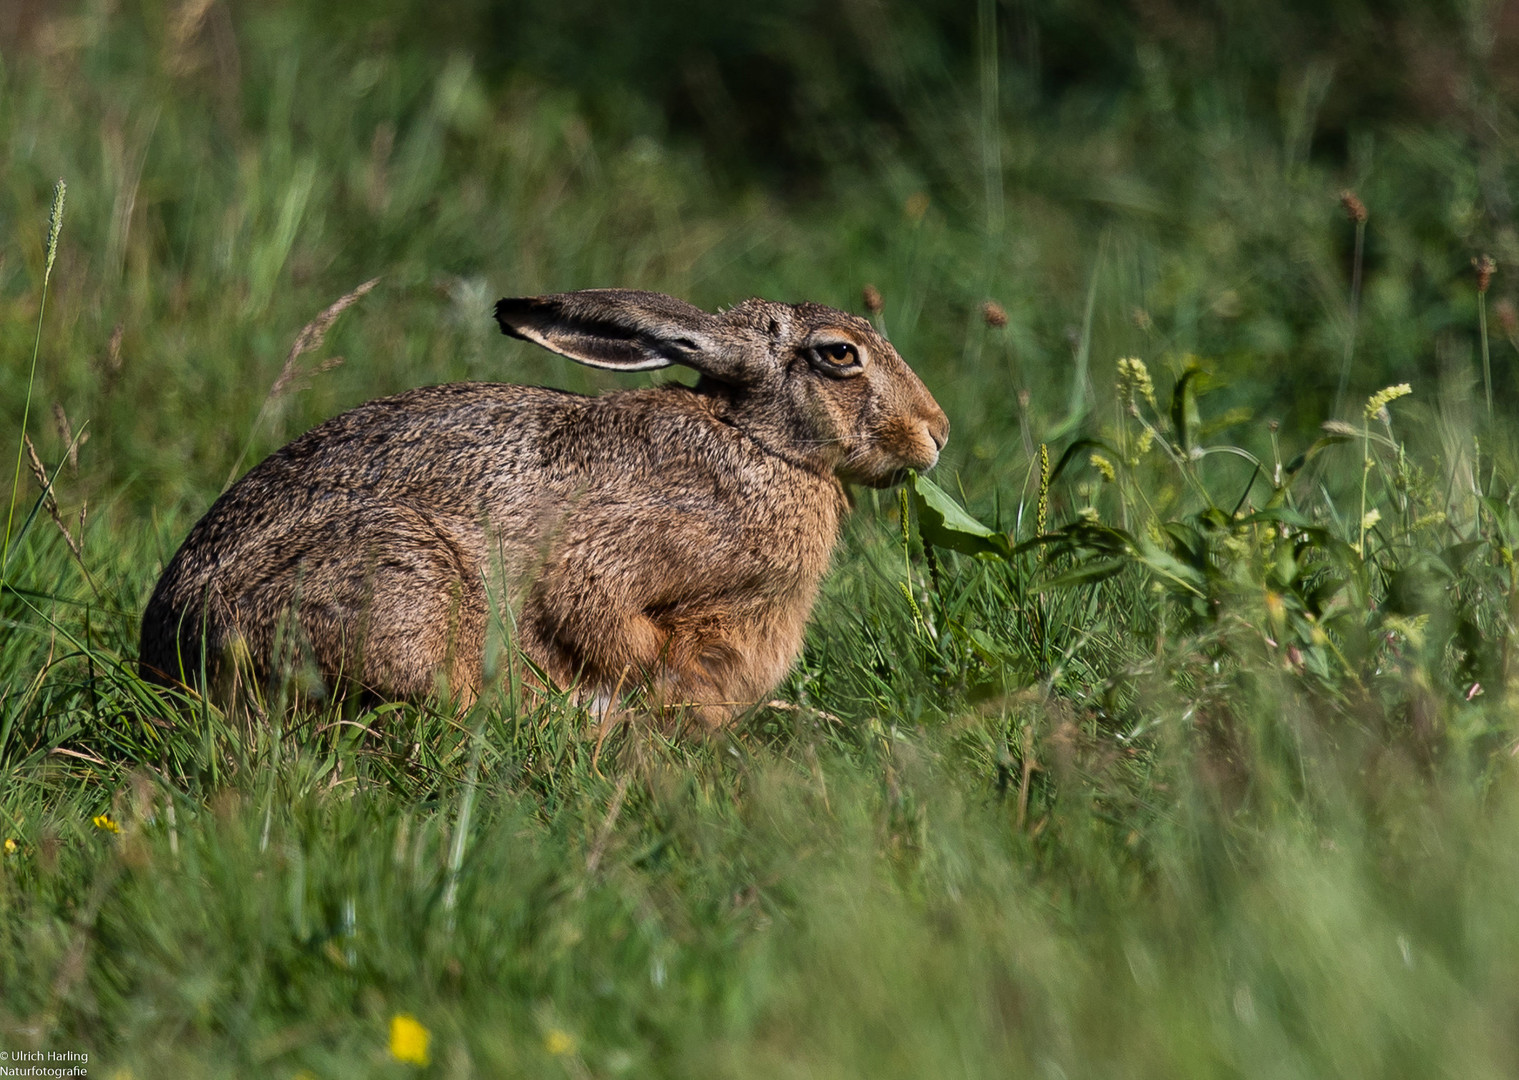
<point>26,413</point>
<point>1487,363</point>
<point>54,226</point>
<point>1365,476</point>
<point>1355,315</point>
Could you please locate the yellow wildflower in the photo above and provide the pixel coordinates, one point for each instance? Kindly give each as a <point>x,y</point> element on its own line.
<point>558,1043</point>
<point>1276,609</point>
<point>409,1040</point>
<point>11,847</point>
<point>104,823</point>
<point>1378,401</point>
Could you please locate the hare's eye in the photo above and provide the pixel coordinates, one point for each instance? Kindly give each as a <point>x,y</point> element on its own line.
<point>836,359</point>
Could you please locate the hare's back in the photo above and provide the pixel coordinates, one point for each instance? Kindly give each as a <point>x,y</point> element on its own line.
<point>425,443</point>
<point>437,450</point>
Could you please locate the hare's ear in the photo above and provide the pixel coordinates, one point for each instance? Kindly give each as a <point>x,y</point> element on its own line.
<point>623,329</point>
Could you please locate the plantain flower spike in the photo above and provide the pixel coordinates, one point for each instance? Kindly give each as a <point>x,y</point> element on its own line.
<point>1379,401</point>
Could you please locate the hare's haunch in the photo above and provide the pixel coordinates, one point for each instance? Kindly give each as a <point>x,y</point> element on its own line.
<point>670,538</point>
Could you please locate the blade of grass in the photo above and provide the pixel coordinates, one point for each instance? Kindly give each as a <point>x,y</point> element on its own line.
<point>54,227</point>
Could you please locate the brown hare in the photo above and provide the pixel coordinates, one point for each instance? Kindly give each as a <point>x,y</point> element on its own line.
<point>670,538</point>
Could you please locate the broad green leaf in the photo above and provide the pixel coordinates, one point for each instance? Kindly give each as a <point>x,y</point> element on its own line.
<point>1167,567</point>
<point>1308,455</point>
<point>946,524</point>
<point>1085,574</point>
<point>1184,415</point>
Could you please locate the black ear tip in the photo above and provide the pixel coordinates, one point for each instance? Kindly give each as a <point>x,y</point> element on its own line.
<point>509,312</point>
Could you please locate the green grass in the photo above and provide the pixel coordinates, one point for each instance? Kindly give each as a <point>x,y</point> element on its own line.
<point>1214,776</point>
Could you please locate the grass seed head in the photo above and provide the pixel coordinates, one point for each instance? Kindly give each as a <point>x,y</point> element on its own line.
<point>1355,209</point>
<point>1485,267</point>
<point>1134,382</point>
<point>66,436</point>
<point>54,225</point>
<point>113,348</point>
<point>874,303</point>
<point>1376,405</point>
<point>311,337</point>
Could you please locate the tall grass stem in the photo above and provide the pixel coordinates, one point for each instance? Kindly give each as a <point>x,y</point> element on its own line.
<point>1487,362</point>
<point>54,227</point>
<point>991,125</point>
<point>461,826</point>
<point>1355,314</point>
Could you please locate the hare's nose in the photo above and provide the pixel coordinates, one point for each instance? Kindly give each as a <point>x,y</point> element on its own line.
<point>937,427</point>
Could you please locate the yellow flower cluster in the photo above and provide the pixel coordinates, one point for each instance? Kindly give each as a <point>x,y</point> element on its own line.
<point>104,823</point>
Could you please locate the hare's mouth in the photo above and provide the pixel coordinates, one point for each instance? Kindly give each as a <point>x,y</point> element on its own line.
<point>881,469</point>
<point>885,477</point>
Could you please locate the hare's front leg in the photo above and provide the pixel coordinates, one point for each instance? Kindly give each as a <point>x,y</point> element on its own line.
<point>579,627</point>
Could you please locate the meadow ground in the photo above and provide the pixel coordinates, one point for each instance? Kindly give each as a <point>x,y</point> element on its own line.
<point>1165,733</point>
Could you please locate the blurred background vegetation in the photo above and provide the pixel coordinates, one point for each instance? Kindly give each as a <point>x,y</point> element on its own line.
<point>1158,179</point>
<point>1203,765</point>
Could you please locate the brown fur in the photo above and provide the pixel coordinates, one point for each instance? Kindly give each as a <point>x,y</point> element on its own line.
<point>671,537</point>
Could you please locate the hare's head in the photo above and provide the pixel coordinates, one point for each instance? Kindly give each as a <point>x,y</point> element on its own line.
<point>809,382</point>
